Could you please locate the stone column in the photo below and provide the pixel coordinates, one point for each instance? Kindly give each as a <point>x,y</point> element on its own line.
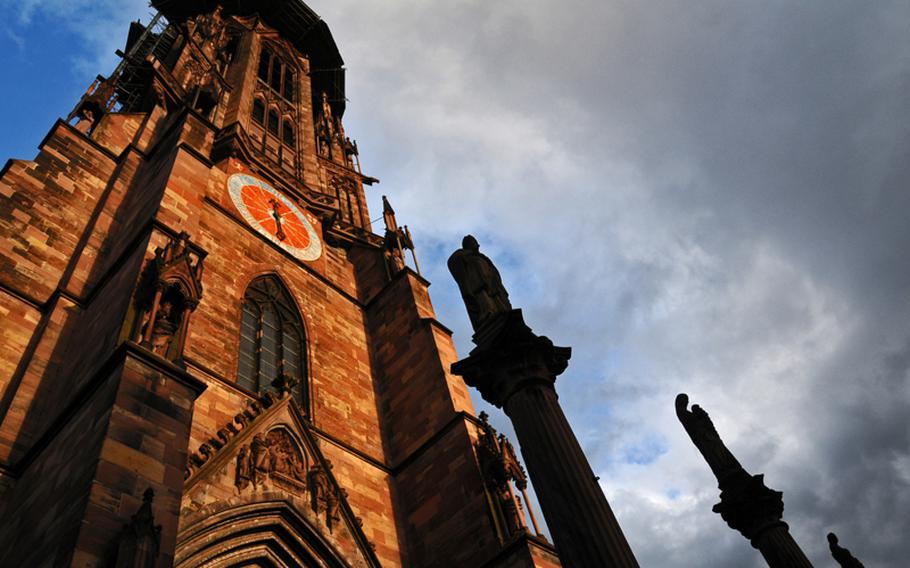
<point>516,370</point>
<point>746,504</point>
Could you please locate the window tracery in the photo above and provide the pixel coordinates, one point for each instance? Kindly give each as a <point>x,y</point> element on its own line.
<point>272,340</point>
<point>275,113</point>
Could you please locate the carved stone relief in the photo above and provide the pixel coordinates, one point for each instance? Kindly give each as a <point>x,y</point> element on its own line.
<point>275,458</point>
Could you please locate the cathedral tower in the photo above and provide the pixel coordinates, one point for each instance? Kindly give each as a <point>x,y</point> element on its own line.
<point>208,356</point>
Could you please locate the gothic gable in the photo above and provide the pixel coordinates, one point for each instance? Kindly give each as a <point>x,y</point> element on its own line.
<point>262,490</point>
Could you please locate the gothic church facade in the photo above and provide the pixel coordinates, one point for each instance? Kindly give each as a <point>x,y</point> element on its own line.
<point>208,357</point>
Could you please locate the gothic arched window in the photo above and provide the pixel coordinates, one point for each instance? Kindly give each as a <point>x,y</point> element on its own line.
<point>287,134</point>
<point>259,111</point>
<point>271,339</point>
<point>278,75</point>
<point>273,122</point>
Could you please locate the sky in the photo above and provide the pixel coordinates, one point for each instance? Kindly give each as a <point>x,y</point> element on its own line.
<point>699,196</point>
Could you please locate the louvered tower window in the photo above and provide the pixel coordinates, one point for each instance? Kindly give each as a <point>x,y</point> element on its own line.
<point>271,339</point>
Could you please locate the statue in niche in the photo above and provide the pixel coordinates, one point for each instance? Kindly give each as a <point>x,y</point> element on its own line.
<point>701,430</point>
<point>323,139</point>
<point>394,258</point>
<point>510,511</point>
<point>841,554</point>
<point>327,116</point>
<point>163,328</point>
<point>501,467</point>
<point>479,282</point>
<point>169,290</point>
<point>86,121</point>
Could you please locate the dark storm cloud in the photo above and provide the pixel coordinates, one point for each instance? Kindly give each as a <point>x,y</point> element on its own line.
<point>698,196</point>
<point>708,196</point>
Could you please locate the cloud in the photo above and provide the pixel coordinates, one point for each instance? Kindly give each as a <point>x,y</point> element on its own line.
<point>698,196</point>
<point>703,197</point>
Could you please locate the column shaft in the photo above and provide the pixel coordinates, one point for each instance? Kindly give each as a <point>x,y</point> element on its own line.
<point>581,522</point>
<point>780,549</point>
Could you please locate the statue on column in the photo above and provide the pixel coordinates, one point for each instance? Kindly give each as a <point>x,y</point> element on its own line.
<point>479,282</point>
<point>701,430</point>
<point>841,554</point>
<point>746,504</point>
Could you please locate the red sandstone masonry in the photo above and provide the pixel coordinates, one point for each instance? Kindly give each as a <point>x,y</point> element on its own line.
<point>384,404</point>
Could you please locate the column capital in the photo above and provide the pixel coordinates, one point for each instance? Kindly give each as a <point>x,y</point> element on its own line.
<point>749,506</point>
<point>509,356</point>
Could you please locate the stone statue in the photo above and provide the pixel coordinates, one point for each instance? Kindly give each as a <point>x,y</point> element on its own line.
<point>243,474</point>
<point>163,328</point>
<point>510,512</point>
<point>261,459</point>
<point>327,116</point>
<point>705,437</point>
<point>479,281</point>
<point>841,554</point>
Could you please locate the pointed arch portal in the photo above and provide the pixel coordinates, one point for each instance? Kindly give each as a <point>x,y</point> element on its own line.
<point>270,534</point>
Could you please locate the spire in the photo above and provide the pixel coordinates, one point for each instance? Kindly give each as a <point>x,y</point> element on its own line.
<point>388,215</point>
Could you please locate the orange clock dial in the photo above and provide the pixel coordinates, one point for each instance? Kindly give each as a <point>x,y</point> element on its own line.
<point>274,216</point>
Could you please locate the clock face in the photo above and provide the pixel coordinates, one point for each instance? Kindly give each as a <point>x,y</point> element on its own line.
<point>274,216</point>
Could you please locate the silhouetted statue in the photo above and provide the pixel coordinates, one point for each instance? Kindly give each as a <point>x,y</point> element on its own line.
<point>479,281</point>
<point>746,504</point>
<point>841,554</point>
<point>705,437</point>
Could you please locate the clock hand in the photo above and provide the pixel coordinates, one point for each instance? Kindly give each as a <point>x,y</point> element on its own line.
<point>277,216</point>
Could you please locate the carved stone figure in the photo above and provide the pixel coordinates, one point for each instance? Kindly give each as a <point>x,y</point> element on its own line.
<point>323,138</point>
<point>318,484</point>
<point>86,121</point>
<point>841,554</point>
<point>243,474</point>
<point>479,281</point>
<point>701,430</point>
<point>327,116</point>
<point>394,258</point>
<point>322,496</point>
<point>511,514</point>
<point>261,459</point>
<point>285,455</point>
<point>163,328</point>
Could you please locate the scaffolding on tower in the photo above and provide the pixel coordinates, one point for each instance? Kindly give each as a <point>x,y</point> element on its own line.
<point>123,90</point>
